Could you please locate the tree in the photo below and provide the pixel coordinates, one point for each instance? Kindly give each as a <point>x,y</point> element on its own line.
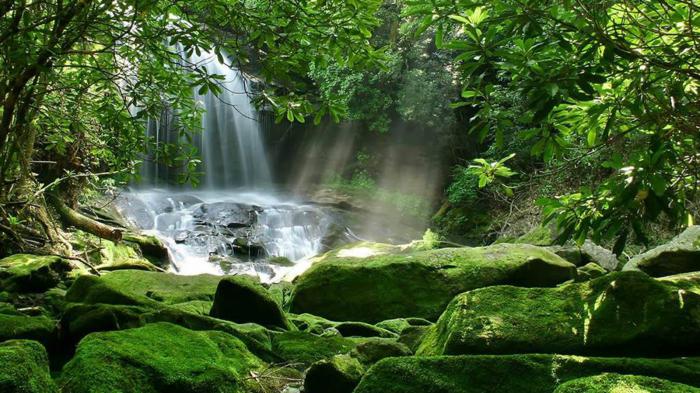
<point>612,82</point>
<point>79,78</point>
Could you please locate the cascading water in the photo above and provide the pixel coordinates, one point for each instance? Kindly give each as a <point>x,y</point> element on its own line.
<point>235,224</point>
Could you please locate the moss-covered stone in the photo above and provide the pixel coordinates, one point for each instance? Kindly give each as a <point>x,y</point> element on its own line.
<point>159,357</point>
<point>134,287</point>
<point>199,307</point>
<point>680,255</point>
<point>32,273</point>
<point>348,285</point>
<point>511,373</point>
<point>39,328</point>
<point>240,299</point>
<point>311,323</point>
<point>376,349</point>
<point>306,348</point>
<point>79,320</point>
<point>24,368</point>
<point>620,313</point>
<point>616,383</point>
<point>397,325</point>
<point>412,336</point>
<point>361,329</point>
<point>339,374</point>
<point>589,271</point>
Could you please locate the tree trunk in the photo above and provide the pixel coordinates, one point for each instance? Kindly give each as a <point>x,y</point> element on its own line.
<point>82,222</point>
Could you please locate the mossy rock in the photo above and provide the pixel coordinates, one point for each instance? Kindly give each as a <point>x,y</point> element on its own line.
<point>18,326</point>
<point>616,383</point>
<point>371,289</point>
<point>588,252</point>
<point>412,336</point>
<point>198,307</point>
<point>160,357</point>
<point>625,313</point>
<point>361,329</point>
<point>32,273</point>
<point>589,271</point>
<point>306,348</point>
<point>397,325</point>
<point>241,299</point>
<point>339,374</point>
<point>686,281</point>
<point>24,368</point>
<point>79,320</point>
<point>376,349</point>
<point>135,287</point>
<point>511,373</point>
<point>311,323</point>
<point>680,255</point>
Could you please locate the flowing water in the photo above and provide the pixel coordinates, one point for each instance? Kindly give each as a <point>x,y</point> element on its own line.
<point>236,223</point>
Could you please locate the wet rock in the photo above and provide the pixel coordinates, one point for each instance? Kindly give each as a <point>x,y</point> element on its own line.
<point>228,214</point>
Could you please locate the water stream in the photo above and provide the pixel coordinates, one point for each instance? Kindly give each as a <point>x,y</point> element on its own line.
<point>236,222</point>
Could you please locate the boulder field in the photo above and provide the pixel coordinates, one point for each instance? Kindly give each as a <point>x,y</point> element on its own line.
<point>364,318</point>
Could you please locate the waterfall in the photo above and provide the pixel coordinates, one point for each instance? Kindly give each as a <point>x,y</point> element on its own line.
<point>230,145</point>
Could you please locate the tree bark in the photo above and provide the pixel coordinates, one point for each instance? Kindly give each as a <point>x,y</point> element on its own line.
<point>82,222</point>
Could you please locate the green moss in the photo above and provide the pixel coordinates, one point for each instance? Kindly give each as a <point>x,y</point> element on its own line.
<point>241,299</point>
<point>413,336</point>
<point>376,349</point>
<point>397,325</point>
<point>539,236</point>
<point>590,271</point>
<point>159,358</point>
<point>620,313</point>
<point>306,348</point>
<point>32,273</point>
<point>80,320</point>
<point>339,374</point>
<point>511,373</point>
<point>24,368</point>
<point>615,383</point>
<point>199,307</point>
<point>281,292</point>
<point>361,329</point>
<point>344,287</point>
<point>311,323</point>
<point>23,327</point>
<point>134,287</point>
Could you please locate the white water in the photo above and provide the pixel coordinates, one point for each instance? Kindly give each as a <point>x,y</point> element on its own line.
<point>284,229</point>
<point>233,159</point>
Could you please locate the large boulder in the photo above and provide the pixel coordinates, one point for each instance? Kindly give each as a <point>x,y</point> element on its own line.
<point>24,368</point>
<point>621,313</point>
<point>680,255</point>
<point>135,287</point>
<point>306,348</point>
<point>616,383</point>
<point>32,273</point>
<point>511,373</point>
<point>588,252</point>
<point>372,284</point>
<point>240,299</point>
<point>160,358</point>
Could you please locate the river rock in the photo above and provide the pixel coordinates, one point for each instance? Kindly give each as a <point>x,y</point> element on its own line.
<point>160,357</point>
<point>306,348</point>
<point>373,282</point>
<point>589,271</point>
<point>588,252</point>
<point>512,373</point>
<point>32,273</point>
<point>616,383</point>
<point>680,255</point>
<point>24,368</point>
<point>376,349</point>
<point>627,313</point>
<point>339,374</point>
<point>228,214</point>
<point>240,299</point>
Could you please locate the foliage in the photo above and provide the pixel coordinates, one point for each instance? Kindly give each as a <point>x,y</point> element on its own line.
<point>609,81</point>
<point>80,79</point>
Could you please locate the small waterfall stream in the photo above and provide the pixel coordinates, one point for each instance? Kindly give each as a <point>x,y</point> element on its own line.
<point>236,223</point>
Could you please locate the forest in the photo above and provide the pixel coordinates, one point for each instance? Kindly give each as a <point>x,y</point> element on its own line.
<point>349,196</point>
